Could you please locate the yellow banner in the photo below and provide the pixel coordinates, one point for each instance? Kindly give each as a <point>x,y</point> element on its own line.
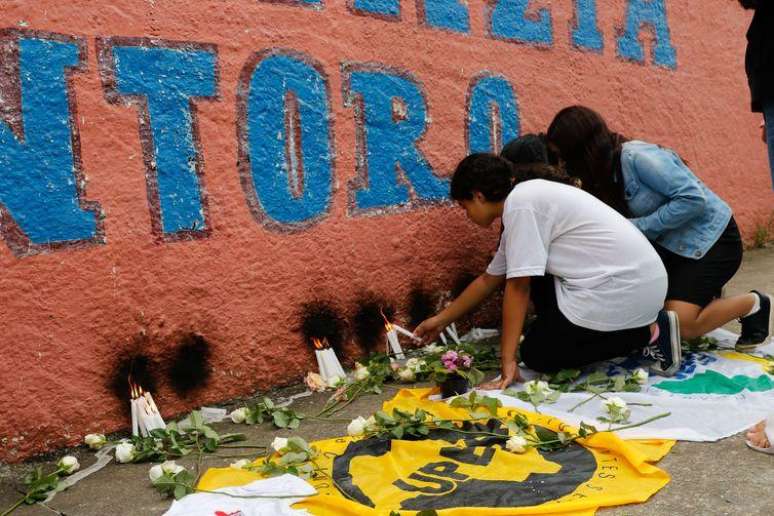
<point>458,473</point>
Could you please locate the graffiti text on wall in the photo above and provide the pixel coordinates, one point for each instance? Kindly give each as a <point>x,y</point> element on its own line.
<point>284,127</point>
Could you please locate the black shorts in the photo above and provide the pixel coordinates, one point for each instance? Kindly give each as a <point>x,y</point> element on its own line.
<point>700,281</point>
<point>552,342</point>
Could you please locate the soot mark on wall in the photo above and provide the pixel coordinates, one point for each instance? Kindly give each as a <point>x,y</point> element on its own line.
<point>190,366</point>
<point>367,321</point>
<point>322,319</point>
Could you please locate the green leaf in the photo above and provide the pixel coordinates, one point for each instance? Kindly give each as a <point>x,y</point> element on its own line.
<point>268,403</point>
<point>281,419</point>
<point>180,492</point>
<point>618,383</point>
<point>397,432</point>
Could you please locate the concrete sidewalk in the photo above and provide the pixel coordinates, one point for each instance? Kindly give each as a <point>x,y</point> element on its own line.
<point>707,478</point>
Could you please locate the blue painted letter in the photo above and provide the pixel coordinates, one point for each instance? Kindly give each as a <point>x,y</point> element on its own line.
<point>391,116</point>
<point>447,14</point>
<point>38,171</point>
<point>509,21</point>
<point>380,8</point>
<point>493,114</point>
<point>651,13</point>
<point>168,78</point>
<point>586,33</point>
<point>285,144</point>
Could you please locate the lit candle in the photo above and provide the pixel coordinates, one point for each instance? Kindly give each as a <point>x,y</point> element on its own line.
<point>392,340</point>
<point>133,405</point>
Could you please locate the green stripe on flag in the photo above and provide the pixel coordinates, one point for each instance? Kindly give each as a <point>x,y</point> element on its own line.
<point>711,382</point>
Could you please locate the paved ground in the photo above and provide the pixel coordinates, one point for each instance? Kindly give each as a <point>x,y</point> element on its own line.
<point>708,478</point>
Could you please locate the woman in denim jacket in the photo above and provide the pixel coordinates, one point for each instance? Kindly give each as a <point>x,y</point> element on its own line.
<point>689,225</point>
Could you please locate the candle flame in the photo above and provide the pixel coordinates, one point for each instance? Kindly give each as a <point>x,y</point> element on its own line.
<point>320,344</point>
<point>387,324</point>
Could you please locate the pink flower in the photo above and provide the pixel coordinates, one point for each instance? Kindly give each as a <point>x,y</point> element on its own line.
<point>449,356</point>
<point>467,360</point>
<point>451,366</point>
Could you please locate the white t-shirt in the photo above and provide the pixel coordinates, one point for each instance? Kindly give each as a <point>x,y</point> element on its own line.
<point>607,275</point>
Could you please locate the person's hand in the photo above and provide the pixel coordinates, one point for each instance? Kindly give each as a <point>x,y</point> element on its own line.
<point>510,373</point>
<point>429,329</point>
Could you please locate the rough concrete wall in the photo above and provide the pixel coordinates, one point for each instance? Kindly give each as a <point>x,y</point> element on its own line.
<point>178,179</point>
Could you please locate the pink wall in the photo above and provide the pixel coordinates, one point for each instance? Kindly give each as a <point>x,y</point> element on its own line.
<point>72,307</point>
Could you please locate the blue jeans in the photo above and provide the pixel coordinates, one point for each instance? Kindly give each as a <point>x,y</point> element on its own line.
<point>768,114</point>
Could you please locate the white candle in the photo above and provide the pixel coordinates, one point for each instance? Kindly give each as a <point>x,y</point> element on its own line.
<point>452,334</point>
<point>443,338</point>
<point>405,332</point>
<point>333,363</point>
<point>392,340</point>
<point>143,415</point>
<point>135,423</point>
<point>318,353</point>
<point>156,420</point>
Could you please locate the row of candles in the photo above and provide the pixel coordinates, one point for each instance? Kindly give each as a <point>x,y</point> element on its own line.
<point>146,416</point>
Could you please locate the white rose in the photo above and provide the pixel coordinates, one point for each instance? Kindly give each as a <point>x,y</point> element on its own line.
<point>240,464</point>
<point>371,424</point>
<point>171,468</point>
<point>279,444</point>
<point>640,375</point>
<point>68,464</point>
<point>125,452</point>
<point>357,426</point>
<point>361,372</point>
<point>537,386</point>
<point>95,441</point>
<point>433,349</point>
<point>516,444</point>
<point>155,473</point>
<point>239,415</point>
<point>334,381</point>
<point>406,375</point>
<point>614,402</point>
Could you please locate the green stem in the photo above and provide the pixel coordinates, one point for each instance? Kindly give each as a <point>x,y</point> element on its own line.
<point>14,507</point>
<point>585,401</point>
<point>645,422</point>
<point>245,446</point>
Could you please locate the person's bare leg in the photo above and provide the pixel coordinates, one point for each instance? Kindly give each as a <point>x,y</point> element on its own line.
<point>695,321</point>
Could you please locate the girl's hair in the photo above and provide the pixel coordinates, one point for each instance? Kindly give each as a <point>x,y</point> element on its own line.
<point>495,176</point>
<point>529,148</point>
<point>591,152</point>
<point>750,4</point>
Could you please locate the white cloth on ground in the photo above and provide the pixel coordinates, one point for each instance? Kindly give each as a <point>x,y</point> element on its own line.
<point>208,504</point>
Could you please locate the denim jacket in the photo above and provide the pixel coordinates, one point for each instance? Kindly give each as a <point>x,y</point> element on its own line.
<point>670,205</point>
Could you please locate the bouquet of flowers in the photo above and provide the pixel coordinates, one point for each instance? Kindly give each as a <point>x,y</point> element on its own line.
<point>454,372</point>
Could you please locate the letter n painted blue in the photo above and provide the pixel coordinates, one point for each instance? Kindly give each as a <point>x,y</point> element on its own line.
<point>276,154</point>
<point>485,93</point>
<point>652,13</point>
<point>169,78</point>
<point>38,171</point>
<point>393,120</point>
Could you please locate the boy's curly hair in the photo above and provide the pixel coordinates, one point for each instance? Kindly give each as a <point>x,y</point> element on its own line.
<point>495,176</point>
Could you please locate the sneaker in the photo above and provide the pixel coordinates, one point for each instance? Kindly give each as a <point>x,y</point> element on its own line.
<point>757,327</point>
<point>666,350</point>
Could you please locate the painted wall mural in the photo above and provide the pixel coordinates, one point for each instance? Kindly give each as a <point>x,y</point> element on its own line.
<point>180,182</point>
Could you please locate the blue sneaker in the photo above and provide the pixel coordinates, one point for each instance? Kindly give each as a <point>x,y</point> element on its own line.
<point>667,349</point>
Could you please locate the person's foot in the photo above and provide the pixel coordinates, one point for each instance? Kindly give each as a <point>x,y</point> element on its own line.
<point>757,435</point>
<point>756,327</point>
<point>666,349</point>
